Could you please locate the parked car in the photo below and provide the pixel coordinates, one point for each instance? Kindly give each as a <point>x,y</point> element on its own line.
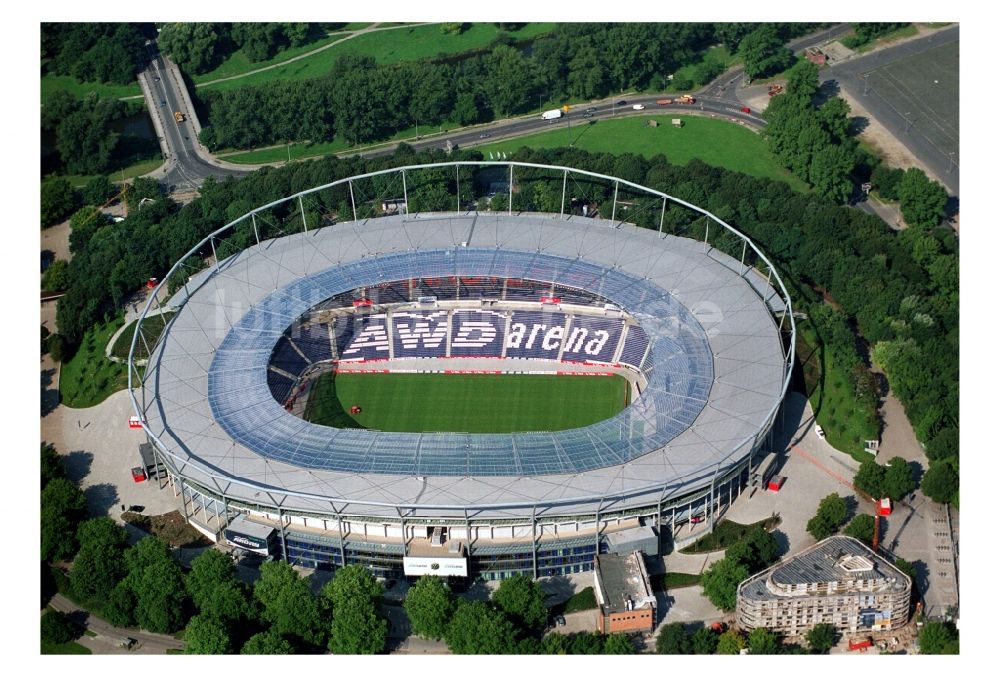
<point>745,109</point>
<point>560,620</point>
<point>484,135</point>
<point>621,103</point>
<point>638,106</point>
<point>591,110</point>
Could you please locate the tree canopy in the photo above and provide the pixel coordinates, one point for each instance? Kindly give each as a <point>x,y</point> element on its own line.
<point>523,600</point>
<point>354,596</point>
<point>94,52</point>
<point>938,638</point>
<point>761,641</point>
<point>429,605</point>
<point>288,604</point>
<point>763,52</point>
<point>719,582</point>
<point>861,527</point>
<point>205,635</point>
<point>672,639</point>
<point>266,643</point>
<point>830,514</point>
<point>822,637</point>
<point>478,629</point>
<point>100,564</point>
<point>156,582</point>
<point>63,508</point>
<point>58,201</point>
<point>921,200</point>
<point>940,483</point>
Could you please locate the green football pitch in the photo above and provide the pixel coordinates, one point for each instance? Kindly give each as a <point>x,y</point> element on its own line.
<point>479,403</point>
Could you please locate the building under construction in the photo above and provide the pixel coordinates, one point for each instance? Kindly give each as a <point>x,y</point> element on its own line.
<point>838,581</point>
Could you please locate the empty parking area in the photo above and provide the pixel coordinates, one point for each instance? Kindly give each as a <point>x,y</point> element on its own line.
<point>922,89</point>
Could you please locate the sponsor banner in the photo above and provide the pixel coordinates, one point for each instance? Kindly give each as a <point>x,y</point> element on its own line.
<point>440,566</point>
<point>254,544</point>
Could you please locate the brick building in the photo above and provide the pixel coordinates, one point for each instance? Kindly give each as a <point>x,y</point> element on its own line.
<point>837,581</point>
<point>625,599</point>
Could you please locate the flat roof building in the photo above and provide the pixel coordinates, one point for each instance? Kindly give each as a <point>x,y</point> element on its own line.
<point>625,596</point>
<point>837,581</point>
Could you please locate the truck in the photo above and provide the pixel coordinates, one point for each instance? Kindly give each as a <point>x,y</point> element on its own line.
<point>179,116</point>
<point>685,98</point>
<point>553,114</point>
<point>774,89</point>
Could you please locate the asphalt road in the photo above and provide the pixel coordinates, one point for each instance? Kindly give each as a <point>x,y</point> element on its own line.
<point>185,169</point>
<point>916,127</point>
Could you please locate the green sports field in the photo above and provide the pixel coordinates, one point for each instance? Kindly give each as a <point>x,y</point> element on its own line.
<point>437,402</point>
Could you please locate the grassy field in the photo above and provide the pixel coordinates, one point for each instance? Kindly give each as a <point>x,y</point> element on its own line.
<point>237,63</point>
<point>390,46</point>
<point>71,648</point>
<point>131,171</point>
<point>726,533</point>
<point>90,377</point>
<point>151,329</point>
<point>432,402</point>
<point>582,600</point>
<point>665,581</point>
<point>898,34</point>
<point>717,53</point>
<point>831,394</point>
<point>53,83</point>
<point>716,142</point>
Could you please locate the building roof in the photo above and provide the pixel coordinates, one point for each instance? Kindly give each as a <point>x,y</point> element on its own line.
<point>621,578</point>
<point>838,559</point>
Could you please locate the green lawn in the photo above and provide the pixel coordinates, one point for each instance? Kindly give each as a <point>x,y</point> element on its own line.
<point>687,72</point>
<point>831,394</point>
<point>898,34</point>
<point>151,329</point>
<point>716,142</point>
<point>665,581</point>
<point>71,648</point>
<point>237,63</point>
<point>390,46</point>
<point>582,600</point>
<point>90,377</point>
<point>52,83</point>
<point>434,402</point>
<point>726,533</point>
<point>131,171</point>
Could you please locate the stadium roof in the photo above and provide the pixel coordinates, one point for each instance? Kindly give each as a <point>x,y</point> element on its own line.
<point>717,369</point>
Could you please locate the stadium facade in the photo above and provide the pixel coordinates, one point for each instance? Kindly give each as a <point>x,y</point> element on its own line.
<point>701,335</point>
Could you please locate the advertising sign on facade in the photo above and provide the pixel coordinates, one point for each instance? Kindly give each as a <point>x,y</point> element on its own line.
<point>444,567</point>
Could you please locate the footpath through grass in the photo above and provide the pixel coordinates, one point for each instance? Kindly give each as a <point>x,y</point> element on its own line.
<point>436,402</point>
<point>399,45</point>
<point>713,141</point>
<point>53,83</point>
<point>90,377</point>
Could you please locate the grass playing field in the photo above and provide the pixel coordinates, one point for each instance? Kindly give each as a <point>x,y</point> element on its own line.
<point>435,402</point>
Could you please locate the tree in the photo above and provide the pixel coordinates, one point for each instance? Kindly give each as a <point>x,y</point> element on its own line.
<point>731,643</point>
<point>921,200</point>
<point>586,643</point>
<point>56,277</point>
<point>871,478</point>
<point>266,643</point>
<point>761,641</point>
<point>191,45</point>
<point>157,582</point>
<point>944,444</point>
<point>704,641</point>
<point>56,346</point>
<point>555,644</point>
<point>357,628</point>
<point>214,589</point>
<point>478,629</point>
<point>720,581</point>
<point>821,638</point>
<point>52,464</point>
<point>938,638</point>
<point>861,527</point>
<point>940,483</point>
<point>830,515</point>
<point>829,172</point>
<point>206,635</point>
<point>58,201</point>
<point>764,53</point>
<point>907,568</point>
<point>57,628</point>
<point>287,602</point>
<point>756,551</point>
<point>673,640</point>
<point>350,582</point>
<point>898,479</point>
<point>618,644</point>
<point>886,180</point>
<point>98,190</point>
<point>100,564</point>
<point>63,508</point>
<point>522,599</point>
<point>429,605</point>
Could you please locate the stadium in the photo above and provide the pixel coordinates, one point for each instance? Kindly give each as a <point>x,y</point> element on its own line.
<point>477,393</point>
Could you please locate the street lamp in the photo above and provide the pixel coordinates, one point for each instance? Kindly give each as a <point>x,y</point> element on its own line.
<point>951,162</point>
<point>906,116</point>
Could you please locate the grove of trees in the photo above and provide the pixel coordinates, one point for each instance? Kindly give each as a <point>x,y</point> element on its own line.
<point>360,101</point>
<point>200,47</point>
<point>95,52</point>
<point>743,558</point>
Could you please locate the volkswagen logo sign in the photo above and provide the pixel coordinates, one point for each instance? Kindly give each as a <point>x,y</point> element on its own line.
<point>435,566</point>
